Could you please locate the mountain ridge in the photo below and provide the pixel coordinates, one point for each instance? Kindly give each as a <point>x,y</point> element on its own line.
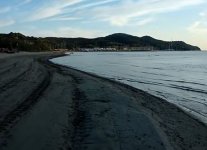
<point>118,41</point>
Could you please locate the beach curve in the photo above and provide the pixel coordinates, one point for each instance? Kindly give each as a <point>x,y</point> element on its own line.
<point>71,109</point>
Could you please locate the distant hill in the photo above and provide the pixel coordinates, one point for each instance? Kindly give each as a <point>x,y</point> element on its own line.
<point>118,41</point>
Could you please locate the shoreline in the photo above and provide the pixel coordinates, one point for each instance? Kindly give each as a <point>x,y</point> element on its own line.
<point>185,110</point>
<point>168,120</point>
<point>133,92</point>
<point>134,89</point>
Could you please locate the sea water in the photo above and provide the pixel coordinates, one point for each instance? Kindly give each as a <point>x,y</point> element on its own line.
<point>178,77</point>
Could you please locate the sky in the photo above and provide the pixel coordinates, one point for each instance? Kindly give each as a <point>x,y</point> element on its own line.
<point>170,20</point>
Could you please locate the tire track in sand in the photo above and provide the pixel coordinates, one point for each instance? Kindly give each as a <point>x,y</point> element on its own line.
<point>14,116</point>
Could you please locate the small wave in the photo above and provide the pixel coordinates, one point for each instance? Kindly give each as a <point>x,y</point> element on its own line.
<point>188,88</point>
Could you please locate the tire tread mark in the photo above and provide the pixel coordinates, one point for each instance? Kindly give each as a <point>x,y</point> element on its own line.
<point>16,114</point>
<point>12,82</point>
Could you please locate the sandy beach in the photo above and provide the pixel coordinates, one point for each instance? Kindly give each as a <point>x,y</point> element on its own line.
<point>47,106</point>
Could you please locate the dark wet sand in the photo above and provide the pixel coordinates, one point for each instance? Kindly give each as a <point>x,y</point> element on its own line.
<point>46,106</point>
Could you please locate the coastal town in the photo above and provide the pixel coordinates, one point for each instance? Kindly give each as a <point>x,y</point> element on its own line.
<point>96,49</point>
<point>147,48</point>
<point>7,50</point>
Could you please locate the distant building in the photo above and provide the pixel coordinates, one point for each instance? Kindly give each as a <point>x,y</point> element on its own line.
<point>6,50</point>
<point>60,49</point>
<point>145,48</point>
<point>97,49</point>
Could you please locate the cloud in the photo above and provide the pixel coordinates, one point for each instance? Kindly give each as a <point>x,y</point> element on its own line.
<point>64,19</point>
<point>4,23</point>
<point>144,21</point>
<point>199,26</point>
<point>24,2</point>
<point>133,22</point>
<point>55,8</point>
<point>65,32</point>
<point>127,10</point>
<point>89,5</point>
<point>45,13</point>
<point>77,32</point>
<point>62,10</point>
<point>4,10</point>
<point>115,12</point>
<point>119,21</point>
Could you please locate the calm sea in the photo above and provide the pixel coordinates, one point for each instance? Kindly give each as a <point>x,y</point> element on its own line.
<point>178,77</point>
